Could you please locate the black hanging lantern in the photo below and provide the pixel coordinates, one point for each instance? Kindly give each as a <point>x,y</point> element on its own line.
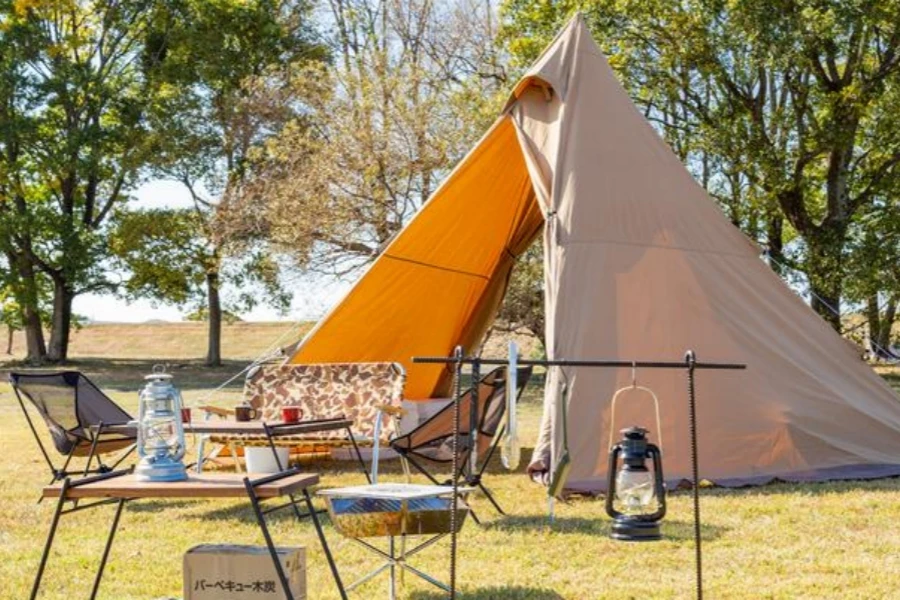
<point>635,497</point>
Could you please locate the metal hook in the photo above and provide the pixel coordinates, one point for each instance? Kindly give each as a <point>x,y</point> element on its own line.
<point>633,374</point>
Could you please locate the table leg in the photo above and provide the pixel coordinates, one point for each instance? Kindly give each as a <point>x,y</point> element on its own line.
<point>315,519</point>
<point>271,440</point>
<point>50,536</point>
<point>261,519</point>
<point>359,457</point>
<point>109,541</point>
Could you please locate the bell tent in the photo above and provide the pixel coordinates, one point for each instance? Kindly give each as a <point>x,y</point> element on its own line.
<point>640,263</point>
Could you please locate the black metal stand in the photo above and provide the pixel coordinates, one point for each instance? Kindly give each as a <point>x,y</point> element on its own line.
<point>690,365</point>
<point>255,501</point>
<point>272,431</point>
<point>457,396</point>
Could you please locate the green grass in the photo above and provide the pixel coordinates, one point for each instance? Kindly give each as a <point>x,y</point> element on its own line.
<point>837,540</point>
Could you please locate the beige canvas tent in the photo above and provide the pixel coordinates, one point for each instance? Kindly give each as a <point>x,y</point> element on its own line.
<point>640,264</point>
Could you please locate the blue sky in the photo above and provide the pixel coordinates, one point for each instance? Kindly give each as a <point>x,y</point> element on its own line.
<point>312,296</point>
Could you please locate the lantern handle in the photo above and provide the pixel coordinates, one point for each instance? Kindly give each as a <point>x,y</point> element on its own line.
<point>612,415</point>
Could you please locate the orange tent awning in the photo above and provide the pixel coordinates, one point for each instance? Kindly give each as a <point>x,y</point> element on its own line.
<point>440,282</point>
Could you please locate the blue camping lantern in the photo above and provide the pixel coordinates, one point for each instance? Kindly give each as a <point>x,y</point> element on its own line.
<point>160,440</point>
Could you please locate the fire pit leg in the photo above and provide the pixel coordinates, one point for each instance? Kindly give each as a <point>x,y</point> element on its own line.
<point>393,592</point>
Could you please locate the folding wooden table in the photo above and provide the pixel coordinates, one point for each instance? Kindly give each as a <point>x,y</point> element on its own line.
<point>271,430</point>
<point>120,487</point>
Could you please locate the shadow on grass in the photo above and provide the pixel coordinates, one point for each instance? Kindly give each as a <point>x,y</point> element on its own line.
<point>671,529</point>
<point>158,506</point>
<point>812,488</point>
<point>514,592</point>
<point>244,512</point>
<point>126,375</point>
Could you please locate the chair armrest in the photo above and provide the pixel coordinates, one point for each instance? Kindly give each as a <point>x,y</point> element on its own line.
<point>392,410</point>
<point>215,410</point>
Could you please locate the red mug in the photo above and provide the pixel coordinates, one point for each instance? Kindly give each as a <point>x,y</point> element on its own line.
<point>186,415</point>
<point>291,414</point>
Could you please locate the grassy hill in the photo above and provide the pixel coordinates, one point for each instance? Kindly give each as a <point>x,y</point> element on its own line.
<point>174,341</point>
<point>186,341</point>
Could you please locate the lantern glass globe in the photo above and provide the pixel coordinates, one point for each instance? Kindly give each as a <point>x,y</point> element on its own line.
<point>635,491</point>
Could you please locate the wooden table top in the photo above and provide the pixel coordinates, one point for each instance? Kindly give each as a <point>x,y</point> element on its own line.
<point>230,426</point>
<point>203,485</point>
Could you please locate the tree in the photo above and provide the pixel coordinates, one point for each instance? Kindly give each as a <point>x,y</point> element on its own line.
<point>11,316</point>
<point>386,122</point>
<point>791,104</point>
<point>523,305</point>
<point>91,95</point>
<point>75,143</point>
<point>227,95</point>
<point>167,258</point>
<point>874,269</point>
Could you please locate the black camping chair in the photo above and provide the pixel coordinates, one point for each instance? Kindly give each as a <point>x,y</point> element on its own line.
<point>75,411</point>
<point>433,440</point>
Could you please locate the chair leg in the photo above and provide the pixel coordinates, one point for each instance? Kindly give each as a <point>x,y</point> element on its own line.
<point>201,446</point>
<point>125,455</point>
<point>422,470</point>
<point>237,461</point>
<point>490,498</point>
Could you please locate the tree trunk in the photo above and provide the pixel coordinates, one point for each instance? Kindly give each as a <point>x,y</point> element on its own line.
<point>9,338</point>
<point>214,312</point>
<point>873,316</point>
<point>887,322</point>
<point>775,239</point>
<point>825,270</point>
<point>61,326</point>
<point>28,297</point>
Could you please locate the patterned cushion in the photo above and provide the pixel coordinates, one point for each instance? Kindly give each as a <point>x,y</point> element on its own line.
<point>329,390</point>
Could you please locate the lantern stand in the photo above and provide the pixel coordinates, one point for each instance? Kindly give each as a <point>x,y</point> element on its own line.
<point>690,365</point>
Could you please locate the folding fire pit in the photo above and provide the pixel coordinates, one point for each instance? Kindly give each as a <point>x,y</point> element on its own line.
<point>395,510</point>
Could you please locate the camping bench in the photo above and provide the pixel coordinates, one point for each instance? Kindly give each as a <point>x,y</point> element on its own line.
<point>357,392</point>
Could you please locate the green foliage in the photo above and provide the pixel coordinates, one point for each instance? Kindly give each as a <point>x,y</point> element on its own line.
<point>202,315</point>
<point>163,254</point>
<point>523,305</point>
<point>96,95</point>
<point>167,258</point>
<point>785,111</point>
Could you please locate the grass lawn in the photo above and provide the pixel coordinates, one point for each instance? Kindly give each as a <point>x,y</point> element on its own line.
<point>839,540</point>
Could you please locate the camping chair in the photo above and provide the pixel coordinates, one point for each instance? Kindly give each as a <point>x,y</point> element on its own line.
<point>433,439</point>
<point>75,411</point>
